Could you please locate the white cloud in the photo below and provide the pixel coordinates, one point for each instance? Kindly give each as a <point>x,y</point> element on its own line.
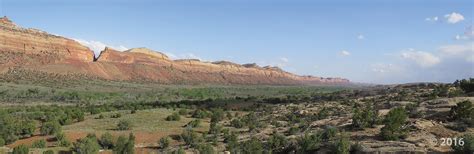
<point>183,56</point>
<point>432,19</point>
<point>423,59</point>
<point>461,37</point>
<point>459,51</point>
<point>344,53</point>
<point>98,46</point>
<point>453,18</point>
<point>360,37</point>
<point>384,68</point>
<point>284,59</point>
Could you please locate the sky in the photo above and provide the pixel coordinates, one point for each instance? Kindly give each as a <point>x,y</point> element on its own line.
<point>369,41</point>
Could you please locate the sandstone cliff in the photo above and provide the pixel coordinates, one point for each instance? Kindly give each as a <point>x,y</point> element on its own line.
<point>34,50</point>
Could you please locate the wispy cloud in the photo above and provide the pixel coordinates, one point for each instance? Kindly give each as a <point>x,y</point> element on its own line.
<point>422,58</point>
<point>345,53</point>
<point>450,18</point>
<point>360,37</point>
<point>454,17</point>
<point>432,18</point>
<point>98,46</point>
<point>182,56</point>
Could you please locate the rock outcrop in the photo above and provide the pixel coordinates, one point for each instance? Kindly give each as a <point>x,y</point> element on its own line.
<point>30,46</point>
<point>36,50</point>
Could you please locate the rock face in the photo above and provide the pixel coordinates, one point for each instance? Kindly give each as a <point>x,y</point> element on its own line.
<point>31,49</point>
<point>30,46</point>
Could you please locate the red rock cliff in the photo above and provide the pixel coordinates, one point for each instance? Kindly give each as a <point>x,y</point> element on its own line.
<point>40,51</point>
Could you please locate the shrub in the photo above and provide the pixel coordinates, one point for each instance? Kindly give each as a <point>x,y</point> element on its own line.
<point>87,145</point>
<point>101,116</point>
<point>48,152</point>
<point>394,122</point>
<point>2,142</point>
<point>164,142</point>
<point>468,146</point>
<point>308,143</point>
<point>124,125</point>
<point>117,115</point>
<point>342,144</point>
<point>329,133</point>
<point>194,123</point>
<point>62,141</point>
<point>179,151</point>
<point>173,117</point>
<point>217,115</point>
<point>51,127</point>
<point>205,149</point>
<point>277,143</point>
<point>215,129</point>
<point>363,118</point>
<point>21,149</point>
<point>323,113</point>
<point>252,146</point>
<point>39,144</point>
<point>124,145</point>
<point>106,141</point>
<point>466,85</point>
<point>190,137</point>
<point>236,123</point>
<point>232,142</point>
<point>183,112</point>
<point>293,130</point>
<point>463,111</point>
<point>200,114</point>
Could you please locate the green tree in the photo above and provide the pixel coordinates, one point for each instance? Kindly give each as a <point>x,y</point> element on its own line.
<point>205,149</point>
<point>119,146</point>
<point>252,146</point>
<point>217,115</point>
<point>87,145</point>
<point>50,128</point>
<point>106,141</point>
<point>363,118</point>
<point>394,122</point>
<point>124,145</point>
<point>467,85</point>
<point>463,111</point>
<point>21,149</point>
<point>62,140</point>
<point>232,142</point>
<point>124,125</point>
<point>190,137</point>
<point>164,142</point>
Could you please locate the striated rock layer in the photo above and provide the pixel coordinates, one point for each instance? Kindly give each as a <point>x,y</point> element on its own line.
<point>36,50</point>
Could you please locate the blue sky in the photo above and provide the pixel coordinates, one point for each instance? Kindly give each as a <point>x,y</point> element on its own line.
<point>374,41</point>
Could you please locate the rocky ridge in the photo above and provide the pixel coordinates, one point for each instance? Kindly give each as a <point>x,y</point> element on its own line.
<point>31,49</point>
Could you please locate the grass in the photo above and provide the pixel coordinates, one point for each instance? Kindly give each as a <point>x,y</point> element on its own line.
<point>148,125</point>
<point>144,120</point>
